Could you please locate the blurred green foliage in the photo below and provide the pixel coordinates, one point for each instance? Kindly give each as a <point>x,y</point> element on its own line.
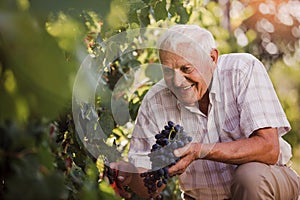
<point>43,43</point>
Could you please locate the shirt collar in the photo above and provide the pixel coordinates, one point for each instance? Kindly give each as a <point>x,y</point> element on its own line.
<point>214,90</point>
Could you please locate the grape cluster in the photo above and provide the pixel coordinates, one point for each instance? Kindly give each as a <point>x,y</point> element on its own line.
<point>162,157</point>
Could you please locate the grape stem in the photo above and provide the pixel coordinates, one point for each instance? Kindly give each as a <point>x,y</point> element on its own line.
<point>169,138</point>
<point>172,130</point>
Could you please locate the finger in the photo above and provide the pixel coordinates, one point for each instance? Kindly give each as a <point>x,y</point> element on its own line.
<point>123,193</point>
<point>181,165</point>
<point>126,167</point>
<point>124,178</point>
<point>118,165</point>
<point>174,172</point>
<point>114,165</point>
<point>176,169</point>
<point>180,152</point>
<point>120,190</point>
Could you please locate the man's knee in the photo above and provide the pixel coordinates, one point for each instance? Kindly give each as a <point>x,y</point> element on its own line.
<point>249,173</point>
<point>260,181</point>
<point>249,182</point>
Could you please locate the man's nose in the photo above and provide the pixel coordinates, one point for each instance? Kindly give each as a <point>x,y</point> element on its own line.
<point>178,78</point>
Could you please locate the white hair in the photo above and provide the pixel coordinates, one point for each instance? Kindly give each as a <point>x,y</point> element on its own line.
<point>193,35</point>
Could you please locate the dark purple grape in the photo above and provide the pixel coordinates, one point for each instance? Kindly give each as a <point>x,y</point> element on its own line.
<point>158,136</point>
<point>155,147</point>
<point>172,161</point>
<point>165,132</point>
<point>166,141</point>
<point>157,176</point>
<point>159,184</point>
<point>165,181</point>
<point>180,144</point>
<point>160,141</point>
<point>177,128</point>
<point>169,139</point>
<point>161,172</point>
<point>166,171</point>
<point>173,135</point>
<point>171,124</point>
<point>144,174</point>
<point>174,145</point>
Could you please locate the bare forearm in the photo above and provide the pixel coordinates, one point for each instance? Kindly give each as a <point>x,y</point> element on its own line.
<point>261,147</point>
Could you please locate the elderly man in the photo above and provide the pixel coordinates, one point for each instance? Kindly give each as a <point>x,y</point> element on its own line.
<point>228,105</point>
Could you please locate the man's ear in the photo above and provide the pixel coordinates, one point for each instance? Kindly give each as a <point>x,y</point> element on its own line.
<point>214,54</point>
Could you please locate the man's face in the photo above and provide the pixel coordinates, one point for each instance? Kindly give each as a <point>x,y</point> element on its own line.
<point>184,78</point>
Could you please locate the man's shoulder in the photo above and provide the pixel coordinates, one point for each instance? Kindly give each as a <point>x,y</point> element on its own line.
<point>246,56</point>
<point>238,61</point>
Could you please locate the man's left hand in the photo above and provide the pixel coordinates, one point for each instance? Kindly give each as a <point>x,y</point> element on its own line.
<point>188,154</point>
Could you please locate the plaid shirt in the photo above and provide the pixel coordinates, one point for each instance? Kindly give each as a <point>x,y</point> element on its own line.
<point>242,100</point>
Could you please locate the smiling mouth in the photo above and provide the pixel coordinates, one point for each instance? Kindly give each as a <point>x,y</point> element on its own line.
<point>188,87</point>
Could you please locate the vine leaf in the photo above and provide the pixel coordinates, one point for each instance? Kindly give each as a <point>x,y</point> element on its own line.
<point>160,11</point>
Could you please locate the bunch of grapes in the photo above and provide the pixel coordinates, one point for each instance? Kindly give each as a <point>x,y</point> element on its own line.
<point>162,157</point>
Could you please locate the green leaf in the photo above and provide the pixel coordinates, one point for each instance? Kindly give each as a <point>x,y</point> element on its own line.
<point>184,16</point>
<point>45,156</point>
<point>133,17</point>
<point>40,69</point>
<point>160,11</point>
<point>144,17</point>
<point>106,121</point>
<point>137,4</point>
<point>172,10</point>
<point>33,181</point>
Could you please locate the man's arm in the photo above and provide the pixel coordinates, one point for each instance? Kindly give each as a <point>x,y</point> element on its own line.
<point>261,146</point>
<point>129,175</point>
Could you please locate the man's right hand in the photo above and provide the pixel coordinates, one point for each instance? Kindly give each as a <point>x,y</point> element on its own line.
<point>129,175</point>
<point>125,172</point>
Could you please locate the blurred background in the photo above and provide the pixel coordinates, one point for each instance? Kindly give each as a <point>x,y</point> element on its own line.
<point>42,45</point>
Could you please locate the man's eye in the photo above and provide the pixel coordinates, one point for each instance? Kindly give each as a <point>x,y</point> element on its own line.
<point>168,71</point>
<point>186,69</point>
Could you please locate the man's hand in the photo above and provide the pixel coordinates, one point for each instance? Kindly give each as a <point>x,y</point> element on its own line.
<point>125,173</point>
<point>129,175</point>
<point>188,154</point>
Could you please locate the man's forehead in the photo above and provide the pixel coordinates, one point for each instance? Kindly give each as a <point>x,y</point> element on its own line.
<point>167,56</point>
<point>181,56</point>
<point>178,47</point>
